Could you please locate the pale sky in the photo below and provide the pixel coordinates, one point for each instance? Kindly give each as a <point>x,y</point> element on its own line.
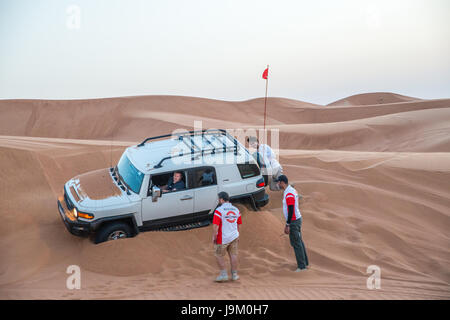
<point>318,51</point>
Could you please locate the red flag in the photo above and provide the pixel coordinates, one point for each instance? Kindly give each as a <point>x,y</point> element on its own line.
<point>265,73</point>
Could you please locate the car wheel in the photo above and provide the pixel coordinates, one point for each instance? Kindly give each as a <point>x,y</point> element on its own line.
<point>113,231</point>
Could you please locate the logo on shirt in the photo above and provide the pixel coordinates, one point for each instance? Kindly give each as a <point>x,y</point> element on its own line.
<point>230,216</point>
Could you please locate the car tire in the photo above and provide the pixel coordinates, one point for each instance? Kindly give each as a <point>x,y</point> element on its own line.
<point>113,231</point>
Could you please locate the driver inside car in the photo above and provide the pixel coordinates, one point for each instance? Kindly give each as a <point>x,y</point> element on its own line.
<point>175,183</point>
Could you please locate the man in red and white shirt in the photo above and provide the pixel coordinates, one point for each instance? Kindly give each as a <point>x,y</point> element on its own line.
<point>293,222</point>
<point>226,221</point>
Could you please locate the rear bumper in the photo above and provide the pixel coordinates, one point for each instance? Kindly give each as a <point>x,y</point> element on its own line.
<point>75,227</point>
<point>261,198</point>
<point>257,199</point>
<point>263,201</point>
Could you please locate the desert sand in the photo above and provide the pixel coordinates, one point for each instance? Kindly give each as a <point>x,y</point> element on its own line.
<point>373,169</point>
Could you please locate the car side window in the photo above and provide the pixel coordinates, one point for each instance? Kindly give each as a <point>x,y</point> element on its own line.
<point>165,181</point>
<point>204,176</point>
<point>248,170</point>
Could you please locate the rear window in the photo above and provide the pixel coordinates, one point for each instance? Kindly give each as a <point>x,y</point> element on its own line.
<point>248,170</point>
<point>205,176</point>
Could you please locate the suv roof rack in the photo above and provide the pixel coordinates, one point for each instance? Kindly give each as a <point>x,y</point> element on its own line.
<point>195,150</point>
<point>189,133</point>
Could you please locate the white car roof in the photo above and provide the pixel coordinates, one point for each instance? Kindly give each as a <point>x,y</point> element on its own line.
<point>147,155</point>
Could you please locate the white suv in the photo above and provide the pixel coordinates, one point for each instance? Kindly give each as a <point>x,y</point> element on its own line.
<point>119,202</point>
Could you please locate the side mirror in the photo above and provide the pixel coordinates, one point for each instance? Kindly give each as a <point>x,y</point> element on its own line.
<point>156,193</point>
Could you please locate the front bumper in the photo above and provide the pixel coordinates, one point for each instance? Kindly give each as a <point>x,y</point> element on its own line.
<point>75,227</point>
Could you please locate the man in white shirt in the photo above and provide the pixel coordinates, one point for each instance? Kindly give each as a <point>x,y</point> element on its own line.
<point>267,160</point>
<point>226,221</point>
<point>293,222</point>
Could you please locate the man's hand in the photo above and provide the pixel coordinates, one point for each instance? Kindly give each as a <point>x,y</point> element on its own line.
<point>214,239</point>
<point>286,229</point>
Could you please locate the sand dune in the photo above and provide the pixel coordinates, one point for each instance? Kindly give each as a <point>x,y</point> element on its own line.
<point>374,175</point>
<point>373,98</point>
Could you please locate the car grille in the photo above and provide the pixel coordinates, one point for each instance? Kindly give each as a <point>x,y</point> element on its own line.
<point>69,203</point>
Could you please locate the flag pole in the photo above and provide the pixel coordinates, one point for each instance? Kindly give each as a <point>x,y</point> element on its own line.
<point>265,98</point>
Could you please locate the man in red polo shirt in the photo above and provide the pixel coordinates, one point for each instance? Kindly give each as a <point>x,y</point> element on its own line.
<point>226,221</point>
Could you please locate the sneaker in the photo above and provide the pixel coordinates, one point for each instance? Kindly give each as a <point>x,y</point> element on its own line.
<point>234,276</point>
<point>222,277</point>
<point>298,270</point>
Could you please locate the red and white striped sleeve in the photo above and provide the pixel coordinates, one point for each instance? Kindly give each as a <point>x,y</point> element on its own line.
<point>290,199</point>
<point>217,218</point>
<point>239,220</point>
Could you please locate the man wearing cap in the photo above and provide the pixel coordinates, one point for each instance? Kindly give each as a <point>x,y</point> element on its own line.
<point>226,221</point>
<point>266,158</point>
<point>293,222</point>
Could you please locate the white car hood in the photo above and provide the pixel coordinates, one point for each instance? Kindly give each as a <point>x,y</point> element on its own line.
<point>95,190</point>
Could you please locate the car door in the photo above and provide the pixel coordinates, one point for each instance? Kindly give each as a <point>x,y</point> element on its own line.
<point>171,208</point>
<point>204,183</point>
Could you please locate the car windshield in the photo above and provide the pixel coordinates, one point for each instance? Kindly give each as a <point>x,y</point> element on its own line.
<point>131,176</point>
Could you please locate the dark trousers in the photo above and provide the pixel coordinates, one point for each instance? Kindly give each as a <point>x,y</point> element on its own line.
<point>295,236</point>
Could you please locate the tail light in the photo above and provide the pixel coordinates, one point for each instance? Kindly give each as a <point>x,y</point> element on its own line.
<point>260,183</point>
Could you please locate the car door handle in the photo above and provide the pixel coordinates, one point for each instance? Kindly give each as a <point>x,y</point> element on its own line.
<point>186,198</point>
